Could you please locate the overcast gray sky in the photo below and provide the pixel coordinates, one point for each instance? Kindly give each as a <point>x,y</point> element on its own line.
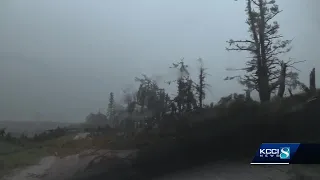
<point>61,58</point>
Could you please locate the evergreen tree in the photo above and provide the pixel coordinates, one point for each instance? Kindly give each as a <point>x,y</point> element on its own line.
<point>265,45</point>
<point>185,98</point>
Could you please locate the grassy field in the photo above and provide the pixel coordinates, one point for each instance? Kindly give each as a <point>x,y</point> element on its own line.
<point>15,156</point>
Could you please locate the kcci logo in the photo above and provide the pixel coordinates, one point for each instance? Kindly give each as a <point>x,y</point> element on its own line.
<point>282,153</point>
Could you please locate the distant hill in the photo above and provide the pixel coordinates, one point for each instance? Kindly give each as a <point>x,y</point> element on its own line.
<point>30,127</point>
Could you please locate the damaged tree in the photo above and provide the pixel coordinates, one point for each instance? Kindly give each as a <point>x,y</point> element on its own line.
<point>311,90</point>
<point>144,91</point>
<point>185,98</point>
<point>183,74</point>
<point>155,99</point>
<point>312,83</point>
<point>265,45</point>
<point>290,79</point>
<point>202,85</point>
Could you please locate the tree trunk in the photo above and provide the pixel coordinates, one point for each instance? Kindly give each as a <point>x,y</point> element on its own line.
<point>248,95</point>
<point>262,71</point>
<point>263,84</point>
<point>290,92</point>
<point>264,91</point>
<point>200,99</point>
<point>312,79</point>
<point>201,87</point>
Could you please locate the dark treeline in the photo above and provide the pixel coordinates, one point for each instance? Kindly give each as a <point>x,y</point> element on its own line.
<point>265,73</point>
<point>39,137</point>
<point>234,127</point>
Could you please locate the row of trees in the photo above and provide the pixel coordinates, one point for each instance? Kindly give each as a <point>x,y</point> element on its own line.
<point>265,72</point>
<point>155,100</point>
<point>190,94</point>
<point>43,136</point>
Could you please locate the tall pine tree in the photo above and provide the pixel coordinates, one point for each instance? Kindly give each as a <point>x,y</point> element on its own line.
<point>265,45</point>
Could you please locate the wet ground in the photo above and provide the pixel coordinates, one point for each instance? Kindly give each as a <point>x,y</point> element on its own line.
<point>53,168</point>
<point>94,164</point>
<point>56,168</point>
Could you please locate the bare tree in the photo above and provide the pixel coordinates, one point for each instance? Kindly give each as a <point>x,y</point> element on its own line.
<point>311,90</point>
<point>265,44</point>
<point>290,79</point>
<point>312,82</point>
<point>202,85</point>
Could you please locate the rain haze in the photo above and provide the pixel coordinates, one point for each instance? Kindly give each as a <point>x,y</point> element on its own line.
<point>59,60</point>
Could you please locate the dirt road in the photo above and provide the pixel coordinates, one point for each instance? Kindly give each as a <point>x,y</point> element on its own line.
<point>53,167</point>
